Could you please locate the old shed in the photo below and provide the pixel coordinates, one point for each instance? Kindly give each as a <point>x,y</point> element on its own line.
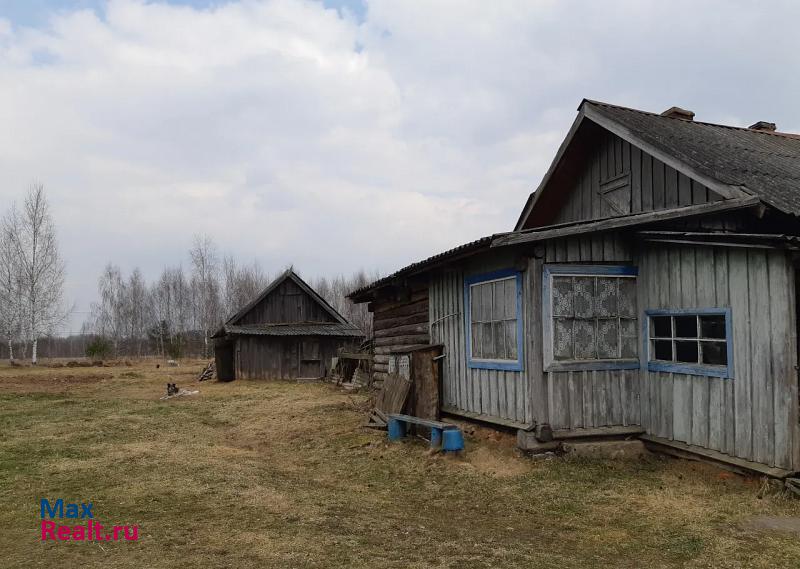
<point>648,289</point>
<point>286,332</point>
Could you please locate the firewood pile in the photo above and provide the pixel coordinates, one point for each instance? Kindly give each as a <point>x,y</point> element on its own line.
<point>209,372</point>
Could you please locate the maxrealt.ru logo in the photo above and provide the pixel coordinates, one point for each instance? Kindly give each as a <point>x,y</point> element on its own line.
<point>90,531</point>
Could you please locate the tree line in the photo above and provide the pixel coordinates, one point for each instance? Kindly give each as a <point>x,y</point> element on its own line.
<point>176,314</point>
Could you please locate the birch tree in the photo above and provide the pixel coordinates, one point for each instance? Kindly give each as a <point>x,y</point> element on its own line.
<point>10,287</point>
<point>41,270</point>
<point>206,286</point>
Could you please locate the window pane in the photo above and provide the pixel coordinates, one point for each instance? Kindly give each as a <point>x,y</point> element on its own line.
<point>629,348</point>
<point>686,352</point>
<point>662,350</point>
<point>476,340</point>
<point>715,353</point>
<point>475,303</point>
<point>627,297</point>
<point>499,351</point>
<point>607,339</point>
<point>562,339</point>
<point>486,302</point>
<point>584,340</point>
<point>712,326</point>
<point>606,297</point>
<point>511,339</point>
<point>510,299</point>
<point>686,326</point>
<point>562,296</point>
<point>498,300</point>
<point>583,297</point>
<point>662,327</point>
<point>487,341</point>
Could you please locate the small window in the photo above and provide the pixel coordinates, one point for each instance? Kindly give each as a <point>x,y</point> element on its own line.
<point>696,342</point>
<point>590,317</point>
<point>494,325</point>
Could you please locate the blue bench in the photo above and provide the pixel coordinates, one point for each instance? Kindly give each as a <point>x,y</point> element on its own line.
<point>448,436</point>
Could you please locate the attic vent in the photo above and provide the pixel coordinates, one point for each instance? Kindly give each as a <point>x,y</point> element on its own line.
<point>678,113</point>
<point>763,125</point>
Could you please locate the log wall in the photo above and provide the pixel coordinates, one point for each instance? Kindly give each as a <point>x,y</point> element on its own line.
<point>399,324</point>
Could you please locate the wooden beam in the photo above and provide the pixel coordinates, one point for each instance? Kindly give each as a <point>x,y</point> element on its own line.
<point>617,431</point>
<point>485,418</point>
<point>621,222</point>
<point>691,452</point>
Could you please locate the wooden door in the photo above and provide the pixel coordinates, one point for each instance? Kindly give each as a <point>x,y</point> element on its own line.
<point>310,360</point>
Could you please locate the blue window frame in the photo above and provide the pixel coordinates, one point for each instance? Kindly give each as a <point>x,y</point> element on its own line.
<point>493,319</point>
<point>590,317</point>
<point>694,341</point>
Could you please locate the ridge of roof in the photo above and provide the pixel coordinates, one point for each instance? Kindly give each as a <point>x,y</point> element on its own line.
<point>778,133</point>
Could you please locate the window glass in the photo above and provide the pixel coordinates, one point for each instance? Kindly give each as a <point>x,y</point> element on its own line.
<point>712,326</point>
<point>685,326</point>
<point>699,339</point>
<point>662,326</point>
<point>493,314</point>
<point>715,353</point>
<point>594,317</point>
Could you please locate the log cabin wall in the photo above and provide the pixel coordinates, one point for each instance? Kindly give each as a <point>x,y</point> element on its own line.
<point>753,415</point>
<point>617,178</point>
<point>397,324</point>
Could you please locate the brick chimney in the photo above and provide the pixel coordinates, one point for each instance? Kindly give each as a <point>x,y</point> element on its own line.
<point>678,113</point>
<point>763,126</point>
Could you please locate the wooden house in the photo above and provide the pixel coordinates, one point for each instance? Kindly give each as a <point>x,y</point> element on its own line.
<point>648,289</point>
<point>288,331</point>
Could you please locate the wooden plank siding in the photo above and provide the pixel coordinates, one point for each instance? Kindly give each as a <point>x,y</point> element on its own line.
<point>754,415</point>
<point>598,398</point>
<point>287,303</point>
<point>650,184</point>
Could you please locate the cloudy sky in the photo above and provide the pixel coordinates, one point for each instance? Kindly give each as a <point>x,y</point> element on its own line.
<point>342,134</point>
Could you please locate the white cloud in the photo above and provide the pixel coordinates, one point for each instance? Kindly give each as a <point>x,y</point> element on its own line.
<point>293,134</point>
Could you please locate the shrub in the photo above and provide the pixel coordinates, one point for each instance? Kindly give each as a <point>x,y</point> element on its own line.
<point>100,348</point>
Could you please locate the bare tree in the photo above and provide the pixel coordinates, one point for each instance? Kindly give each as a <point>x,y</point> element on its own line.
<point>205,286</point>
<point>241,283</point>
<point>10,287</point>
<point>41,270</point>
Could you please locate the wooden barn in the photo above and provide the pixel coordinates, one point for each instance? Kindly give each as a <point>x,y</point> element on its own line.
<point>648,289</point>
<point>286,332</point>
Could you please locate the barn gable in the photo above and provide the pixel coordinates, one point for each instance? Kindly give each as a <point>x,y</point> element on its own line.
<point>288,299</point>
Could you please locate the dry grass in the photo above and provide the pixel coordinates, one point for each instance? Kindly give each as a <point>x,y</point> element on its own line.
<point>271,474</point>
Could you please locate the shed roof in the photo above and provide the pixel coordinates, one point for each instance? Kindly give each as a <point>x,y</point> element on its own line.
<point>296,329</point>
<point>360,294</point>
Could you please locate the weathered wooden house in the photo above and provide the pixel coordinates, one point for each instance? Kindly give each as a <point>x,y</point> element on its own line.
<point>648,289</point>
<point>288,331</point>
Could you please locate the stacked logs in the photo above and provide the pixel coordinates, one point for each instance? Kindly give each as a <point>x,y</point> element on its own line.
<point>398,324</point>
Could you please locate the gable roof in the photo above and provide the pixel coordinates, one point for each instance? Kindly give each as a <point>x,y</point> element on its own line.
<point>732,161</point>
<point>341,327</point>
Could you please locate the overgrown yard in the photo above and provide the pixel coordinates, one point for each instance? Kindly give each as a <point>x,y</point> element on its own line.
<point>268,474</point>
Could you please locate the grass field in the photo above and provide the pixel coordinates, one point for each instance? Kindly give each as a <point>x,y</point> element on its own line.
<point>275,474</point>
